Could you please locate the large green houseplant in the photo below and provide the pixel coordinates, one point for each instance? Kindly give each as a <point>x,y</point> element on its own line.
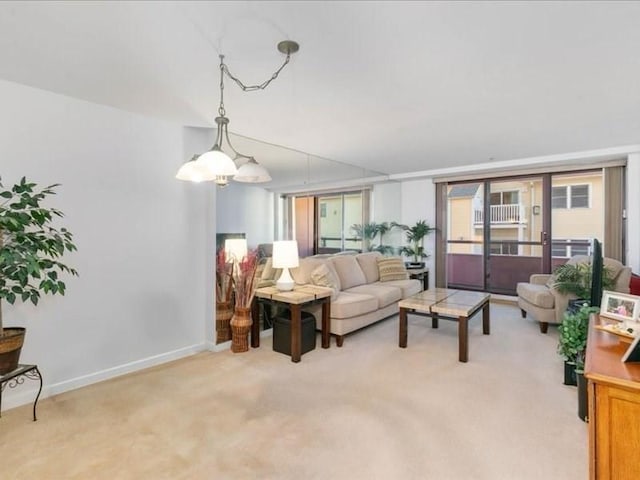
<point>30,248</point>
<point>368,233</point>
<point>415,236</point>
<point>576,279</point>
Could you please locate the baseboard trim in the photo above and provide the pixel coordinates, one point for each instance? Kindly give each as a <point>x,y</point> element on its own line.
<point>27,393</point>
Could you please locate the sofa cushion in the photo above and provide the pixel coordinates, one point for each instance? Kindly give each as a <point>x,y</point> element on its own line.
<point>349,305</point>
<point>302,273</point>
<point>538,295</point>
<point>349,272</point>
<point>323,276</point>
<point>408,287</point>
<point>369,264</point>
<point>392,268</point>
<point>385,294</point>
<point>268,272</point>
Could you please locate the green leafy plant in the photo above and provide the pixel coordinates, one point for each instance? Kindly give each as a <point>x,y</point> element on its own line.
<point>383,229</point>
<point>415,236</point>
<point>576,279</point>
<point>573,334</point>
<point>30,245</point>
<point>368,232</point>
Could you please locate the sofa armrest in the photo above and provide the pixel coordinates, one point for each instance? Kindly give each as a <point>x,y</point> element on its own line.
<point>623,280</point>
<point>539,278</point>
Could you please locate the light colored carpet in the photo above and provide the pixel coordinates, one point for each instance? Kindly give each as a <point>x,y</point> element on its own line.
<point>369,410</point>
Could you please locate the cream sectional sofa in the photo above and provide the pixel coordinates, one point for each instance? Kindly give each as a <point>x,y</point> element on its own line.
<point>360,297</point>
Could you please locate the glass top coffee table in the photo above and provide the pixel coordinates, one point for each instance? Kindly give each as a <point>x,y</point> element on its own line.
<point>448,304</point>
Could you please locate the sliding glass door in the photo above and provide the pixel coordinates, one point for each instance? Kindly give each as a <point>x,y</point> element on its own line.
<point>514,217</point>
<point>501,231</point>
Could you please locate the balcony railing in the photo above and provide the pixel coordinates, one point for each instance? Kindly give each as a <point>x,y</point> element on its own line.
<point>501,214</point>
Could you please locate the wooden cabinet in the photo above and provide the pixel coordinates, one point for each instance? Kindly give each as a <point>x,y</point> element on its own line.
<point>614,408</point>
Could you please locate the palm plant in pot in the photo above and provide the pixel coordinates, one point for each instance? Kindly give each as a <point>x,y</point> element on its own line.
<point>30,248</point>
<point>576,279</point>
<point>415,236</point>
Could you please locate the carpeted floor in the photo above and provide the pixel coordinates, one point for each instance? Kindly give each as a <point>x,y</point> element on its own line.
<point>369,410</point>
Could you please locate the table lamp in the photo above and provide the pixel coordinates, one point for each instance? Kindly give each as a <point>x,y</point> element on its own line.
<point>285,256</point>
<point>235,249</point>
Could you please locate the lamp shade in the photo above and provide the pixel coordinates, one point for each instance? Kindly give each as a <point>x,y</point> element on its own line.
<point>217,163</point>
<point>192,172</point>
<point>235,248</point>
<point>285,254</point>
<point>252,172</point>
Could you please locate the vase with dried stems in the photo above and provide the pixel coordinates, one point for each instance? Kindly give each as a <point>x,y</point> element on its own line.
<point>224,296</point>
<point>244,289</point>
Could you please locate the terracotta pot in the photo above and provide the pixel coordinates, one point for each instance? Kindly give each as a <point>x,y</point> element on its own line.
<point>224,312</point>
<point>10,346</point>
<point>240,327</point>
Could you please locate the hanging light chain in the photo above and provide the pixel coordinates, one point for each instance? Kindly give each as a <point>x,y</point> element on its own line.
<point>221,110</point>
<point>252,88</point>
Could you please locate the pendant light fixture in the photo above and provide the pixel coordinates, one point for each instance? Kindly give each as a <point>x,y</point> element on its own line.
<point>215,165</point>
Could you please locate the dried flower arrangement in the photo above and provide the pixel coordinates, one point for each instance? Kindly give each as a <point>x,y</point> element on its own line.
<point>224,296</point>
<point>224,277</point>
<point>244,279</point>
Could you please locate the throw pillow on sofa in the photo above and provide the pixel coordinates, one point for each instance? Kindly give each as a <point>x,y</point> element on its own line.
<point>322,276</point>
<point>392,268</point>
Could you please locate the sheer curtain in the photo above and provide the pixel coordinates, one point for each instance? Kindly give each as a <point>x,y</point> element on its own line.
<point>614,207</point>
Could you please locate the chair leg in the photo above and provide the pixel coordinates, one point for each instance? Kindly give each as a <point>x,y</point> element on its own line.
<point>544,326</point>
<point>339,340</point>
<point>524,313</point>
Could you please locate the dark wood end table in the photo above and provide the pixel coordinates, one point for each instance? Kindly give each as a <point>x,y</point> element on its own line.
<point>295,300</point>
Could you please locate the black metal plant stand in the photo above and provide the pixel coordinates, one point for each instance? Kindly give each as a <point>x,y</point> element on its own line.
<point>17,377</point>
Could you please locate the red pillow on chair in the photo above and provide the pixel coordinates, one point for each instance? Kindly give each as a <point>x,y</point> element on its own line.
<point>634,285</point>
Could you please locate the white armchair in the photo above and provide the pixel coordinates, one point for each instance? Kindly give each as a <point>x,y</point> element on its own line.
<point>547,305</point>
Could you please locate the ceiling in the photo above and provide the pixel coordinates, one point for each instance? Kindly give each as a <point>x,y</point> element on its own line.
<point>393,87</point>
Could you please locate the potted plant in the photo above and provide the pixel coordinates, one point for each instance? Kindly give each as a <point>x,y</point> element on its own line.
<point>368,233</point>
<point>572,341</point>
<point>415,236</point>
<point>365,232</point>
<point>581,381</point>
<point>30,247</point>
<point>576,279</point>
<point>383,228</point>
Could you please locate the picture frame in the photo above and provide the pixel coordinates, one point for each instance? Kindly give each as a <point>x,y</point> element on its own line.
<point>633,352</point>
<point>620,306</point>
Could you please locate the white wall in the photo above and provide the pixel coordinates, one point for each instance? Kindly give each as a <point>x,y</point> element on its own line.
<point>386,207</point>
<point>418,203</point>
<point>141,297</point>
<point>242,208</point>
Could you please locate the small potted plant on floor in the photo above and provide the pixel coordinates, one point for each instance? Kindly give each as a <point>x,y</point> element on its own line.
<point>573,339</point>
<point>30,248</point>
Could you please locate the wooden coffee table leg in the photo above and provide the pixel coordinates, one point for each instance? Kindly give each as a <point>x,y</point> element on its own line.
<point>296,333</point>
<point>434,320</point>
<point>486,327</point>
<point>326,323</point>
<point>403,328</point>
<point>463,339</point>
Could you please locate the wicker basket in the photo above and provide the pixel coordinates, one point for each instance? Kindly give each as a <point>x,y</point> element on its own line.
<point>240,327</point>
<point>224,312</point>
